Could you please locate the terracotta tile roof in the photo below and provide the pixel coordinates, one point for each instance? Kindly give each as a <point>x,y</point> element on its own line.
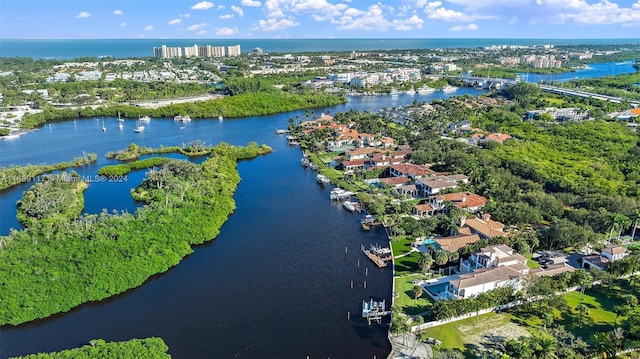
<point>413,169</point>
<point>464,199</point>
<point>635,111</point>
<point>455,243</point>
<point>425,207</point>
<point>487,229</point>
<point>394,181</point>
<point>435,183</point>
<point>386,140</point>
<point>498,137</point>
<point>362,151</point>
<point>353,163</point>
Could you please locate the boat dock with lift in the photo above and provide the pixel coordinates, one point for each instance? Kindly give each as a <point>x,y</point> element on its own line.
<point>374,310</point>
<point>379,255</point>
<point>339,193</point>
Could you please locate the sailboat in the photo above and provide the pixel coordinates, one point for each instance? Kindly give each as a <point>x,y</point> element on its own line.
<point>139,127</point>
<point>120,121</point>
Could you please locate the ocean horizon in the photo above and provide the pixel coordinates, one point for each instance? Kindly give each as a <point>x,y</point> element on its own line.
<point>64,49</point>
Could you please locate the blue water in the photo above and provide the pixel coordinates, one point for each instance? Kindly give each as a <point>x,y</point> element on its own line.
<point>274,284</point>
<point>595,70</point>
<point>438,288</point>
<point>122,48</point>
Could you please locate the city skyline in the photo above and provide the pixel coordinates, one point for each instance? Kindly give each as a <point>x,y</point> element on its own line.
<point>269,19</point>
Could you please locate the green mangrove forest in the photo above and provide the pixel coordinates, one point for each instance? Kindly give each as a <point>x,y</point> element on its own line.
<point>149,348</point>
<point>61,260</point>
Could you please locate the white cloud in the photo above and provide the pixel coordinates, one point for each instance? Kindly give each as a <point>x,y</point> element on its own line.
<point>435,11</point>
<point>238,10</point>
<point>186,16</point>
<point>320,10</point>
<point>275,24</point>
<point>83,15</point>
<point>201,32</point>
<point>352,12</point>
<point>196,27</point>
<point>227,16</point>
<point>148,28</point>
<point>372,19</point>
<point>175,21</point>
<point>225,31</point>
<point>220,7</point>
<point>117,12</point>
<point>250,3</point>
<point>414,22</point>
<point>583,12</point>
<point>203,5</point>
<point>470,27</point>
<point>123,24</point>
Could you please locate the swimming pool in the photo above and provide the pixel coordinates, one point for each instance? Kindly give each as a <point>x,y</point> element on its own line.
<point>438,289</point>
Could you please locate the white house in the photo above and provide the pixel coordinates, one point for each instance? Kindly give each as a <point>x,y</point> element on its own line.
<point>610,253</point>
<point>498,255</point>
<point>484,280</point>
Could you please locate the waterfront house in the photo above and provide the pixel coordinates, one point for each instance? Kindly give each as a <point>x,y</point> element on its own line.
<point>411,170</point>
<point>360,153</point>
<point>396,181</point>
<point>610,253</point>
<point>485,227</point>
<point>423,210</point>
<point>468,201</point>
<point>350,166</point>
<point>497,255</point>
<point>455,243</point>
<point>484,280</point>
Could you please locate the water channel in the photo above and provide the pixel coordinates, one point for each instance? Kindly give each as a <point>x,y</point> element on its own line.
<point>274,284</point>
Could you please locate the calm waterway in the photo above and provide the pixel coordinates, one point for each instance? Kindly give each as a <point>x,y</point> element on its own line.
<point>274,284</point>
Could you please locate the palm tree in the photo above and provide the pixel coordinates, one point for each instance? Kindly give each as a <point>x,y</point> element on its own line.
<point>417,292</point>
<point>425,262</point>
<point>544,346</point>
<point>636,216</point>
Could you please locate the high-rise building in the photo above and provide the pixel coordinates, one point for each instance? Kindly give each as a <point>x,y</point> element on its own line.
<point>233,50</point>
<point>195,51</point>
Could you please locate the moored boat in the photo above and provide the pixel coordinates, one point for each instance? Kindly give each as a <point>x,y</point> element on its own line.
<point>449,88</point>
<point>423,90</point>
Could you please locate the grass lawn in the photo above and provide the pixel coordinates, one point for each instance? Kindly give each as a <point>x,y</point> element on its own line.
<point>407,264</point>
<point>530,262</point>
<point>401,245</point>
<point>470,334</point>
<point>404,288</point>
<point>600,317</point>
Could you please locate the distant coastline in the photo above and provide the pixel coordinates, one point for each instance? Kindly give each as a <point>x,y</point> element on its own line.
<point>123,48</point>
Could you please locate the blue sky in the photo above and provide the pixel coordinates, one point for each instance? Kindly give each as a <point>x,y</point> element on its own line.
<point>214,19</point>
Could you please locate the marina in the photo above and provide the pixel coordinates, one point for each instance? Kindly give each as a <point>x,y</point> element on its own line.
<point>373,311</point>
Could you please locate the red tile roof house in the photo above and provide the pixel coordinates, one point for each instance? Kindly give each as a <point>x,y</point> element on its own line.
<point>360,153</point>
<point>468,201</point>
<point>411,170</point>
<point>396,181</point>
<point>382,160</point>
<point>485,227</point>
<point>610,253</point>
<point>352,165</point>
<point>423,210</point>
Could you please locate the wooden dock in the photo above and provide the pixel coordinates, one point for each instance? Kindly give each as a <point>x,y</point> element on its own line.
<point>378,255</point>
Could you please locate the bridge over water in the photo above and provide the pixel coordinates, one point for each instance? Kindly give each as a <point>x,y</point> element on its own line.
<point>498,83</point>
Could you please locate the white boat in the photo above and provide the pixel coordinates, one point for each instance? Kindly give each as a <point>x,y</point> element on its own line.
<point>424,90</point>
<point>220,118</point>
<point>180,118</point>
<point>145,119</point>
<point>139,128</point>
<point>449,88</point>
<point>104,129</point>
<point>339,193</point>
<point>350,206</point>
<point>282,132</point>
<point>322,179</point>
<point>410,91</point>
<point>10,136</point>
<point>120,125</point>
<point>394,92</point>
